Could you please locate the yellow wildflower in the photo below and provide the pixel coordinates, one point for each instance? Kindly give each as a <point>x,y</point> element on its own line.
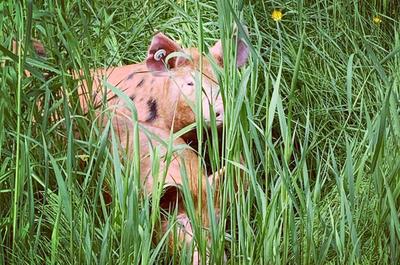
<point>277,15</point>
<point>377,19</point>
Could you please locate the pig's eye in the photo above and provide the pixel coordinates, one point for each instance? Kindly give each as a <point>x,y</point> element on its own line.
<point>190,84</point>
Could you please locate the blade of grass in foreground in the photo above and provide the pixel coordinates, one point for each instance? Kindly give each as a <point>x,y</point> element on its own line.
<point>18,177</point>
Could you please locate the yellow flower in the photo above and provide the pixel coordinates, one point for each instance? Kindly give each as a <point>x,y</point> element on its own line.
<point>277,15</point>
<point>377,19</point>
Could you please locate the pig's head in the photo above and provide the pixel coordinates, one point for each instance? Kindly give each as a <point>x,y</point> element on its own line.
<point>183,71</point>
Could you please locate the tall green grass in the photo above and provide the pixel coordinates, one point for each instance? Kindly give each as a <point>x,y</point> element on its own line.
<point>310,143</point>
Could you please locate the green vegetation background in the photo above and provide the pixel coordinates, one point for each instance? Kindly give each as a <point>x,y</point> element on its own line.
<point>314,115</point>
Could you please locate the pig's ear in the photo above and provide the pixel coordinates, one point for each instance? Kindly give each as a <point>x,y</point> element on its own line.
<point>161,46</point>
<point>242,53</point>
